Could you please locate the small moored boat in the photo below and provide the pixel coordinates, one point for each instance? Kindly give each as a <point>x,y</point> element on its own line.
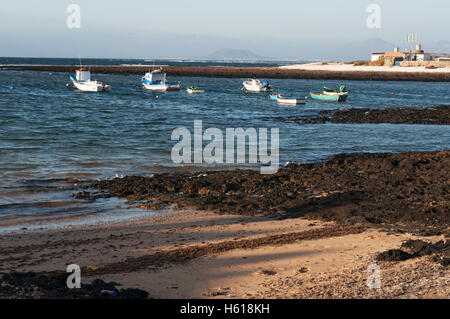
<point>83,82</point>
<point>328,98</point>
<point>194,90</point>
<point>342,91</point>
<point>156,81</point>
<point>256,86</point>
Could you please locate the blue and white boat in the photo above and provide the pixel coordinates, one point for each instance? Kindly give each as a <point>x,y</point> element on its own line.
<point>156,81</point>
<point>275,97</point>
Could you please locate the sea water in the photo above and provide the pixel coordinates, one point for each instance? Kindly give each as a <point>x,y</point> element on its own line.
<point>54,138</point>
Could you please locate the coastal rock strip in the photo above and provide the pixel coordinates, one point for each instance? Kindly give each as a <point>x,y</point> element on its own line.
<point>400,192</point>
<point>245,72</point>
<point>438,115</point>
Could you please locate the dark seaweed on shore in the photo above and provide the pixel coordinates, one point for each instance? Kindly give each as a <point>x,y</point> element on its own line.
<point>418,248</point>
<point>401,192</point>
<point>53,285</point>
<point>438,115</point>
<point>161,259</point>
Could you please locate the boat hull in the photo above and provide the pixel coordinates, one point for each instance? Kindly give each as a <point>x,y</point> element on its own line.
<point>195,91</point>
<point>90,86</point>
<point>291,101</point>
<point>162,87</point>
<point>256,86</point>
<point>328,98</point>
<point>255,89</point>
<point>336,93</point>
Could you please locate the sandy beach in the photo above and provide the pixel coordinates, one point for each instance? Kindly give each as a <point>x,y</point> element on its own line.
<point>298,253</point>
<point>329,266</point>
<point>350,67</point>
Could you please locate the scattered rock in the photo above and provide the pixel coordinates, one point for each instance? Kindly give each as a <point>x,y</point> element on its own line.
<point>393,255</point>
<point>418,248</point>
<point>303,270</point>
<point>53,285</point>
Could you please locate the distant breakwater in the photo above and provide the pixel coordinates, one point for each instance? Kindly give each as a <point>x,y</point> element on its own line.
<point>247,72</point>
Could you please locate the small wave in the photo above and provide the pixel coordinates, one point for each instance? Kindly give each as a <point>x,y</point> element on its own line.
<point>38,204</point>
<point>90,165</point>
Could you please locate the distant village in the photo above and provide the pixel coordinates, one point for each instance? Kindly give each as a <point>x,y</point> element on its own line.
<point>417,57</point>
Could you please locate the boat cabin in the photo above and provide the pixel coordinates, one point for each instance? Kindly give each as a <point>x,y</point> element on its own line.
<point>156,77</point>
<point>83,75</point>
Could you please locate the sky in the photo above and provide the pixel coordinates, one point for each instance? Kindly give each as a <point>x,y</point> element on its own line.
<point>148,28</point>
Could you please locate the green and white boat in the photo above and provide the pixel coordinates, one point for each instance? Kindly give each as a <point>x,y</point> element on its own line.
<point>194,90</point>
<point>342,91</point>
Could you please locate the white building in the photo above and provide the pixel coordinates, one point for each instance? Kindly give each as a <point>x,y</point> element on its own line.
<point>409,55</point>
<point>443,59</point>
<point>376,56</point>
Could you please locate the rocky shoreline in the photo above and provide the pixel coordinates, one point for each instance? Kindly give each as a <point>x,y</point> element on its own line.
<point>246,72</point>
<point>435,115</point>
<point>309,231</point>
<point>400,192</point>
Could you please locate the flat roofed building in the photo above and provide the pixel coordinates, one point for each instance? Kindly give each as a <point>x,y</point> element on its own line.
<point>376,56</point>
<point>395,54</point>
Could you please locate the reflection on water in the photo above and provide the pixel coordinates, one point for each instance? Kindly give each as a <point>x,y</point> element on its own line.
<point>50,204</point>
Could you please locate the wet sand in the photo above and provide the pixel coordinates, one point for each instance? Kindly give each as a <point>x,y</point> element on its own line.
<point>320,260</point>
<point>311,231</point>
<point>356,73</point>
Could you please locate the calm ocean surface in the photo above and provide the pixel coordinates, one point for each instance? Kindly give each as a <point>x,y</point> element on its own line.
<point>51,134</point>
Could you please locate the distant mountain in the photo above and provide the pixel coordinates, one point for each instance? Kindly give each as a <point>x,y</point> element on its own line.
<point>229,54</point>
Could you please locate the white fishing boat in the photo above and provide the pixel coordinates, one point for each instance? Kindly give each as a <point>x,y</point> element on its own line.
<point>83,82</point>
<point>156,81</point>
<point>254,85</point>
